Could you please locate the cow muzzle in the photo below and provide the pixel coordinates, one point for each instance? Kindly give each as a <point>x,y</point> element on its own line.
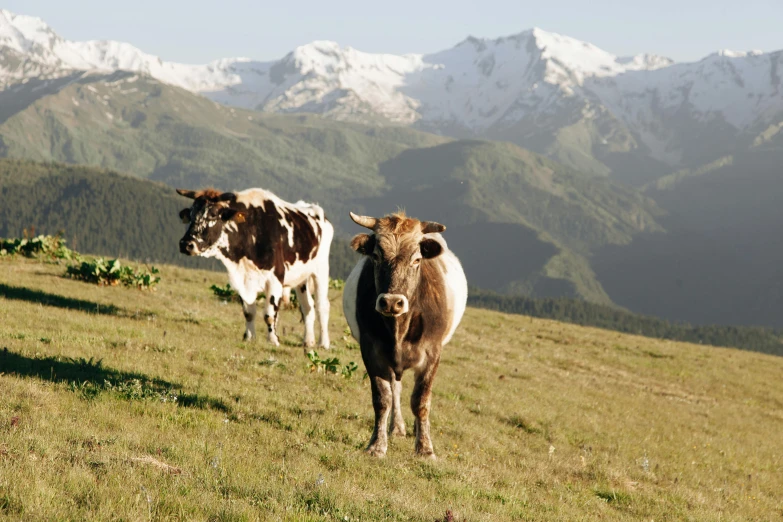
<point>391,305</point>
<point>188,247</point>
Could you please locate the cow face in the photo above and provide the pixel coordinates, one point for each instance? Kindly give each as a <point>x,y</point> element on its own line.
<point>208,218</point>
<point>398,248</point>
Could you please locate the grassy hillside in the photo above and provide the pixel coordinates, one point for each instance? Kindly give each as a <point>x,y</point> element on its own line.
<point>532,419</point>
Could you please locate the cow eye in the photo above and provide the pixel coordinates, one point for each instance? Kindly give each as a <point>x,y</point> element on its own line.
<point>416,262</point>
<point>375,257</point>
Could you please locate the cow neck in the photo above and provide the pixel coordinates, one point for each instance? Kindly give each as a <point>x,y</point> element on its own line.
<point>400,327</point>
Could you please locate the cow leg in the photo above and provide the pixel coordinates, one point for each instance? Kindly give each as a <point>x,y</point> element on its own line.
<point>321,280</point>
<point>286,300</point>
<point>250,320</point>
<point>398,423</point>
<point>381,403</point>
<point>274,295</point>
<point>308,314</point>
<point>420,404</point>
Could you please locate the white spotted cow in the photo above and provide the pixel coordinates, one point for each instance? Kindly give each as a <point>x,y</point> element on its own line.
<point>266,244</point>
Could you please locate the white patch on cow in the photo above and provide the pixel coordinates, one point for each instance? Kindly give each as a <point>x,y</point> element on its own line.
<point>246,278</point>
<point>311,210</point>
<point>456,289</point>
<point>350,293</point>
<point>257,197</point>
<point>214,250</point>
<point>286,225</point>
<point>297,273</point>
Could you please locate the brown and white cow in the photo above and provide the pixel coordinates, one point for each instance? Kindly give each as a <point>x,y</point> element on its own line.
<point>403,301</point>
<point>266,244</point>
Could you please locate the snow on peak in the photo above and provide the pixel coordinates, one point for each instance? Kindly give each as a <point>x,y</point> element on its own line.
<point>645,61</point>
<point>24,33</point>
<point>476,84</point>
<point>728,53</point>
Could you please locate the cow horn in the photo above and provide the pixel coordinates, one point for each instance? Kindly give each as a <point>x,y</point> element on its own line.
<point>365,221</point>
<point>187,193</point>
<point>428,227</point>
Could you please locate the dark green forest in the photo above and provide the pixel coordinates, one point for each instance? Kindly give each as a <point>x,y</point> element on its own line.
<point>104,213</point>
<point>589,314</point>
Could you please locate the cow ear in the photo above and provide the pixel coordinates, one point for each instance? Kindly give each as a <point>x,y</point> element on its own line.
<point>430,248</point>
<point>184,215</point>
<point>187,193</point>
<point>238,216</point>
<point>363,243</point>
<point>227,196</point>
<point>428,227</point>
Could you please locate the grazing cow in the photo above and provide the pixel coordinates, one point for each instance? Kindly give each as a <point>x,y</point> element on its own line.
<point>266,244</point>
<point>403,301</point>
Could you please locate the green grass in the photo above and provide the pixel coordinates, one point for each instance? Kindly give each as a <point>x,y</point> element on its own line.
<point>121,404</point>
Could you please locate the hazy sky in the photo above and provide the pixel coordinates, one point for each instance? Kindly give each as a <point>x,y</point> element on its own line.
<point>196,31</point>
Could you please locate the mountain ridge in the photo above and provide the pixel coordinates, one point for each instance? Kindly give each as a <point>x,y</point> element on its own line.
<point>636,118</point>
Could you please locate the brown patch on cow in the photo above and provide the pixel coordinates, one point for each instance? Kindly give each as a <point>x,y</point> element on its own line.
<point>397,223</point>
<point>432,287</point>
<point>212,194</point>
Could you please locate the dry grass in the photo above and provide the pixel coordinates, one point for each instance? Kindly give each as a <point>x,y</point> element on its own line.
<point>119,404</point>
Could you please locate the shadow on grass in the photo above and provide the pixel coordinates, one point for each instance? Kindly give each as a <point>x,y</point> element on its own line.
<point>21,293</point>
<point>90,378</point>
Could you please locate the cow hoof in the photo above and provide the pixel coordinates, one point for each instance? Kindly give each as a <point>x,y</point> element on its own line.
<point>398,431</point>
<point>376,452</point>
<point>309,343</point>
<point>427,455</point>
<point>247,337</point>
<point>274,340</point>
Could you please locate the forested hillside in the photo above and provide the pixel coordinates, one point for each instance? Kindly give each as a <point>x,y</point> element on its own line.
<point>574,311</point>
<point>721,258</point>
<point>102,212</point>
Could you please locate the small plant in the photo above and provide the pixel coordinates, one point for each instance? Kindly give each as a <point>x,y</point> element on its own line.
<point>112,273</point>
<point>331,365</point>
<point>336,284</point>
<point>226,293</point>
<point>293,302</point>
<point>141,280</point>
<point>51,248</point>
<point>348,370</point>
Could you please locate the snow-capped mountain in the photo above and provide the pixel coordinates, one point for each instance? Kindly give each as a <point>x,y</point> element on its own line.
<point>551,93</point>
